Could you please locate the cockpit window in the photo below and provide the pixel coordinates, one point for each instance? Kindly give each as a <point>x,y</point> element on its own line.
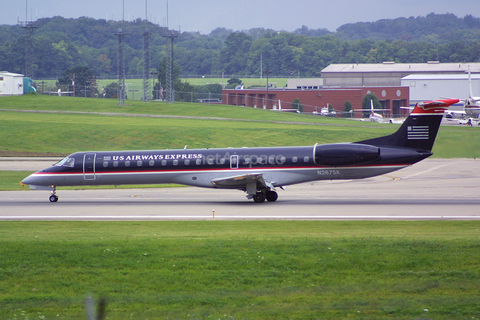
<point>67,162</point>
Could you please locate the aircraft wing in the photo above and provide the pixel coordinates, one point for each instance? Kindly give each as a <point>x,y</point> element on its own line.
<point>241,181</point>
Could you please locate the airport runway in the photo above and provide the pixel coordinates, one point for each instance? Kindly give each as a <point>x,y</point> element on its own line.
<point>431,189</point>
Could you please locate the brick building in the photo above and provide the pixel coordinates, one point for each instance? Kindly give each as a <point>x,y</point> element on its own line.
<point>392,98</point>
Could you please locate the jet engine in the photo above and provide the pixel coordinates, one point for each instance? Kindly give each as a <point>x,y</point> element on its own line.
<point>345,154</point>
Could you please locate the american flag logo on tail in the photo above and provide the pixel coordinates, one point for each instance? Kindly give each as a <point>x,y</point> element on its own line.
<point>417,133</point>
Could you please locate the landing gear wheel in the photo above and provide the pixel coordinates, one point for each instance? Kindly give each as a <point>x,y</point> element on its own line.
<point>259,197</point>
<point>271,196</point>
<point>53,198</point>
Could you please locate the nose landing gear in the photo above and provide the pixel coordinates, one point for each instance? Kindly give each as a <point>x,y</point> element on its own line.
<point>53,197</point>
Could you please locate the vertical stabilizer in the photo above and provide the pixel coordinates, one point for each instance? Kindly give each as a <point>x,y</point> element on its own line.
<point>419,129</point>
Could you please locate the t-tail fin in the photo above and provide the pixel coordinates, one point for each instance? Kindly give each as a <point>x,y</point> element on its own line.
<point>419,129</point>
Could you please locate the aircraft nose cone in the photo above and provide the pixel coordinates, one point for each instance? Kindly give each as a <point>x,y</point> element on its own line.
<point>27,180</point>
<point>31,179</point>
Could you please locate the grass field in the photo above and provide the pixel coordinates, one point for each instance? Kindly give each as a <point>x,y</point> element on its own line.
<point>61,134</point>
<point>241,269</point>
<point>224,269</point>
<point>248,82</point>
<point>137,84</point>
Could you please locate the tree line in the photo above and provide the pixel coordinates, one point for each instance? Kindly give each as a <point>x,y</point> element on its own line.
<point>61,43</point>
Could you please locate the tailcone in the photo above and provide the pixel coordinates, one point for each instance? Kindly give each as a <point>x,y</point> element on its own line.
<point>403,155</point>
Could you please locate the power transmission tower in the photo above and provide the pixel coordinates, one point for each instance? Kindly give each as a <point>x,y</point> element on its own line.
<point>30,26</point>
<point>146,65</point>
<point>121,66</point>
<point>170,91</point>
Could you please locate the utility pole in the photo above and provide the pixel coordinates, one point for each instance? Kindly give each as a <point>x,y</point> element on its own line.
<point>121,66</point>
<point>267,72</point>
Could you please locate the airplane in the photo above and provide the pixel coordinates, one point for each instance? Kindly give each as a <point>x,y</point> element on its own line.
<point>374,117</point>
<point>329,112</point>
<point>256,171</point>
<point>471,106</point>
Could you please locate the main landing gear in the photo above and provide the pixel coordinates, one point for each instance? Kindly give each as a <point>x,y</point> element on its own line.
<point>263,195</point>
<point>53,197</point>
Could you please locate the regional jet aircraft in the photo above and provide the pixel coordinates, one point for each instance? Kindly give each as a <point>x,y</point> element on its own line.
<point>256,171</point>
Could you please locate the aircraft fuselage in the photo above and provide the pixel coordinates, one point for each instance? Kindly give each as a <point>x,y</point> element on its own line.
<point>281,166</point>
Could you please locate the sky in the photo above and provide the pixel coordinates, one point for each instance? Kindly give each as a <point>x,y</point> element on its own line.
<point>206,15</point>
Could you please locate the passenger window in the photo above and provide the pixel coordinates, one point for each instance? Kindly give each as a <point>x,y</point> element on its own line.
<point>127,163</point>
<point>199,162</point>
<point>151,163</point>
<point>175,162</point>
<point>105,164</point>
<point>305,159</point>
<point>294,159</point>
<point>164,162</point>
<point>187,162</point>
<point>139,163</point>
<point>115,163</point>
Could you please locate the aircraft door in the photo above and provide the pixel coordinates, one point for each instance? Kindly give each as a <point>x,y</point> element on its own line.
<point>234,162</point>
<point>89,166</point>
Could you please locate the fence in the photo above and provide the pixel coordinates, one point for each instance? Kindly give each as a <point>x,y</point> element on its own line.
<point>133,92</point>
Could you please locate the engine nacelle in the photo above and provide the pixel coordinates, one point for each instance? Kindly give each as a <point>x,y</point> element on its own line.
<point>345,154</point>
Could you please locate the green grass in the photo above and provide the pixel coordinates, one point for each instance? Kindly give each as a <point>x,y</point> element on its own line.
<point>61,134</point>
<point>47,133</point>
<point>55,103</point>
<point>219,269</point>
<point>241,269</point>
<point>137,84</point>
<point>10,180</point>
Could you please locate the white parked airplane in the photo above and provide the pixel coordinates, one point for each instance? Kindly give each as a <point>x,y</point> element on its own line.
<point>472,105</point>
<point>374,117</point>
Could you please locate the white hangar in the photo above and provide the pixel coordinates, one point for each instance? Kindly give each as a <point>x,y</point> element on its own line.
<point>425,87</point>
<point>388,73</point>
<point>11,83</point>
